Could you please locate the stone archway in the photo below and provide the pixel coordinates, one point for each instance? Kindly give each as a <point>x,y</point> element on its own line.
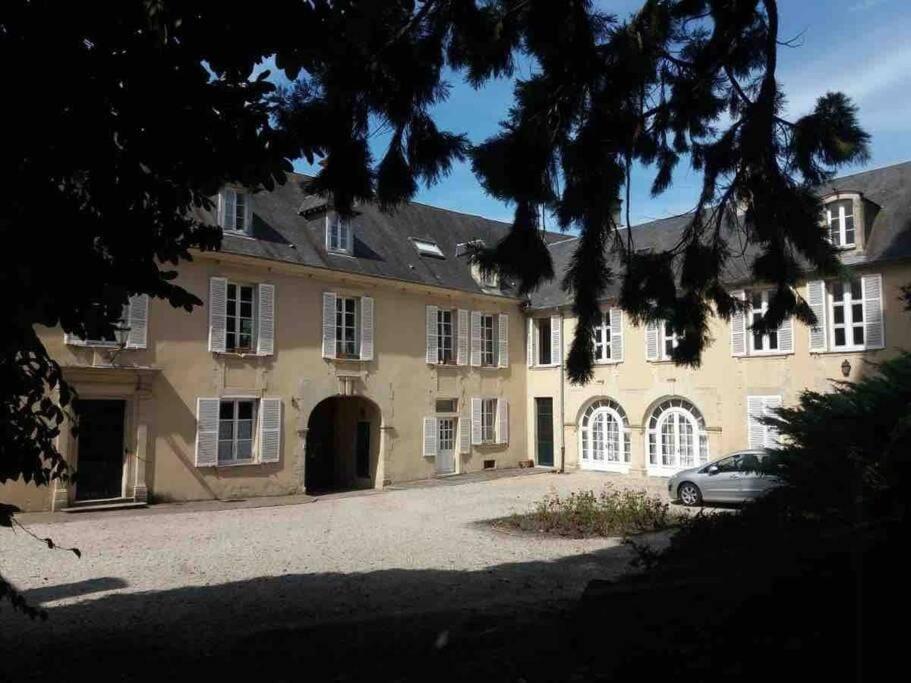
<point>343,445</point>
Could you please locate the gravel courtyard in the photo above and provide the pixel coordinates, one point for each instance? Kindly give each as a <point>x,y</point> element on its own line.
<point>206,578</point>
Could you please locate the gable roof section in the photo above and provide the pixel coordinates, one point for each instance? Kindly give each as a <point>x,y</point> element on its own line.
<point>888,188</point>
<point>289,225</point>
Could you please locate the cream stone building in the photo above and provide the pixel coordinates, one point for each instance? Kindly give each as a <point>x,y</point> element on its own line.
<point>335,353</point>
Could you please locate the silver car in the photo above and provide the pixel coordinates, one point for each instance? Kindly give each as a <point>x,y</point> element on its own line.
<point>736,478</point>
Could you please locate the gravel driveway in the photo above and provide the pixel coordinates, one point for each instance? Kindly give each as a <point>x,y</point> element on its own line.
<point>195,575</point>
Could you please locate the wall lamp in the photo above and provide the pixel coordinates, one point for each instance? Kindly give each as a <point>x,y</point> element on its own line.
<point>845,367</point>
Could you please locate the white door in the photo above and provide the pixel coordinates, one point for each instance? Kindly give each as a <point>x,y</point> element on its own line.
<point>446,445</point>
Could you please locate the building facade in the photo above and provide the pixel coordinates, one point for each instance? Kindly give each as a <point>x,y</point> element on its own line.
<point>333,353</point>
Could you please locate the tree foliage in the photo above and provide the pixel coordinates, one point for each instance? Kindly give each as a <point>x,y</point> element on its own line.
<point>153,106</point>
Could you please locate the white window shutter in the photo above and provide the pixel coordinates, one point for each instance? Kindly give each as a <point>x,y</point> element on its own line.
<point>616,334</point>
<point>651,340</point>
<point>464,432</point>
<point>329,220</point>
<point>138,322</point>
<point>218,303</point>
<point>475,421</point>
<point>349,237</point>
<point>502,420</point>
<point>816,300</point>
<point>220,208</point>
<point>270,429</point>
<point>771,434</point>
<point>874,336</point>
<point>207,431</point>
<point>556,340</point>
<point>503,340</point>
<point>433,337</point>
<point>329,325</point>
<point>265,333</point>
<point>230,210</point>
<point>248,216</point>
<point>756,429</point>
<point>739,328</point>
<point>462,342</point>
<point>367,321</point>
<point>786,335</point>
<point>476,338</point>
<point>530,342</point>
<point>430,437</point>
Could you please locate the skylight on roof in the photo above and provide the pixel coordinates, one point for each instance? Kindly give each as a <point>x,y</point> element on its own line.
<point>427,247</point>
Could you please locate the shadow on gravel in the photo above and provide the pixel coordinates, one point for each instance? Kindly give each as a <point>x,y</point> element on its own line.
<point>383,625</point>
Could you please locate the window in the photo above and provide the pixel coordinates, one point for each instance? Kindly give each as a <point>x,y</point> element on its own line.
<point>235,212</point>
<point>840,222</point>
<point>544,341</point>
<point>676,435</point>
<point>445,352</point>
<point>447,427</point>
<point>602,334</point>
<point>338,234</point>
<point>669,341</point>
<point>847,315</point>
<point>346,329</point>
<point>760,343</point>
<point>95,336</point>
<point>235,430</point>
<point>447,405</point>
<point>427,247</point>
<point>488,420</point>
<point>488,341</point>
<point>239,318</point>
<point>604,436</point>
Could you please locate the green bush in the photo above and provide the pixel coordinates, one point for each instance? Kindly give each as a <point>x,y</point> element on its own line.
<point>583,514</point>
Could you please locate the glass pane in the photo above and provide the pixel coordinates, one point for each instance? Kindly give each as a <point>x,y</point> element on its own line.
<point>231,340</point>
<point>856,292</point>
<point>231,324</point>
<point>859,335</point>
<point>857,313</point>
<point>840,336</point>
<point>245,429</point>
<point>226,410</point>
<point>232,291</point>
<point>246,326</point>
<point>773,340</point>
<point>244,450</point>
<point>225,451</point>
<point>757,342</point>
<point>838,290</point>
<point>849,237</point>
<point>838,314</point>
<point>757,301</point>
<point>246,309</point>
<point>226,430</point>
<point>245,410</point>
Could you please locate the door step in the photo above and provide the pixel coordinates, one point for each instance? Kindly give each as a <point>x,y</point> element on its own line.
<point>101,505</point>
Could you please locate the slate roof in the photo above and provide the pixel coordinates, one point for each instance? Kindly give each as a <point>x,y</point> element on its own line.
<point>889,238</point>
<point>289,225</point>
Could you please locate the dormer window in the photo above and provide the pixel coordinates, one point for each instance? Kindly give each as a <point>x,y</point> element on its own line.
<point>234,211</point>
<point>339,235</point>
<point>427,247</point>
<point>840,222</point>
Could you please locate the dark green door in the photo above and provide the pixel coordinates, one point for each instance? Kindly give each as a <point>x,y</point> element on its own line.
<point>99,468</point>
<point>544,431</point>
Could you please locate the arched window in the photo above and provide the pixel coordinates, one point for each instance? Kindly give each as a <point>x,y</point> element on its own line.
<point>604,437</point>
<point>676,436</point>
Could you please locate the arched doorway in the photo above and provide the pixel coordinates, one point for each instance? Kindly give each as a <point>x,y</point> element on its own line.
<point>604,437</point>
<point>677,437</point>
<point>343,445</point>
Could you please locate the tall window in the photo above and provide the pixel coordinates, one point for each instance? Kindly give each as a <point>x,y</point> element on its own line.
<point>604,433</point>
<point>488,420</point>
<point>235,215</point>
<point>545,357</point>
<point>488,341</point>
<point>602,333</point>
<point>338,237</point>
<point>445,335</point>
<point>676,435</point>
<point>346,329</point>
<point>761,342</point>
<point>239,318</point>
<point>235,430</point>
<point>840,221</point>
<point>847,315</point>
<point>669,341</point>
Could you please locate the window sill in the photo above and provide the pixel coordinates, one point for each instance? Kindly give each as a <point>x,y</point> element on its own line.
<point>348,359</point>
<point>334,252</point>
<point>766,354</point>
<point>544,367</point>
<point>96,345</point>
<point>830,352</point>
<point>237,233</point>
<point>615,362</point>
<point>240,354</point>
<point>240,463</point>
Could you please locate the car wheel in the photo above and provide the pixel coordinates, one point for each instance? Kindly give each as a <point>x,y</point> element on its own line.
<point>689,494</point>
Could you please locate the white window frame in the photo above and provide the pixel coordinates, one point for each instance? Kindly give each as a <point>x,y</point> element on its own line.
<point>238,318</point>
<point>488,420</point>
<point>121,333</point>
<point>766,350</point>
<point>341,327</point>
<point>664,338</point>
<point>602,340</point>
<point>611,412</point>
<point>838,221</point>
<point>339,239</point>
<point>427,247</point>
<point>443,336</point>
<point>234,440</point>
<point>538,347</point>
<point>676,409</point>
<point>848,323</point>
<point>230,199</point>
<point>489,356</point>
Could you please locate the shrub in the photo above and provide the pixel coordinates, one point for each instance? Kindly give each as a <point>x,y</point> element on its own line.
<point>583,514</point>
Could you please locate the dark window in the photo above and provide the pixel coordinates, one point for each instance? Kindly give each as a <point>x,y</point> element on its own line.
<point>544,355</point>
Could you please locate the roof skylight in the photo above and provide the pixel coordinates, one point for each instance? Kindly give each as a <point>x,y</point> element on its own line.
<point>427,247</point>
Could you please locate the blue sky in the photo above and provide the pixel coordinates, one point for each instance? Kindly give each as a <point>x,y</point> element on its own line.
<point>859,47</point>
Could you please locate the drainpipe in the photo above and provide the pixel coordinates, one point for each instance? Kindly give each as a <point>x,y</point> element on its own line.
<point>562,384</point>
